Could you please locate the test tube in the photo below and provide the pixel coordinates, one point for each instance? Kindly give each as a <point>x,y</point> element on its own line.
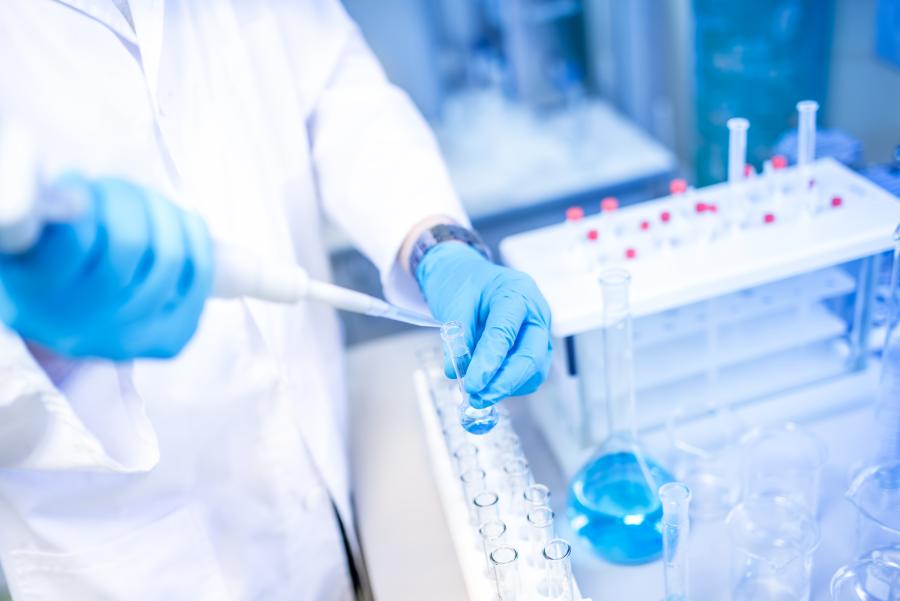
<point>472,484</point>
<point>493,535</point>
<point>504,561</point>
<point>486,507</point>
<point>558,571</point>
<point>540,532</point>
<point>536,495</point>
<point>518,477</point>
<point>737,158</point>
<point>806,131</point>
<point>675,498</point>
<point>474,420</point>
<point>466,457</point>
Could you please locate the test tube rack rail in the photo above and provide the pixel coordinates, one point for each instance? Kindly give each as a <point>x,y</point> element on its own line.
<point>786,248</point>
<point>478,581</point>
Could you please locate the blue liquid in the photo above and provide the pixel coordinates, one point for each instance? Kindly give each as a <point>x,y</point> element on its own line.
<point>613,508</point>
<point>477,421</point>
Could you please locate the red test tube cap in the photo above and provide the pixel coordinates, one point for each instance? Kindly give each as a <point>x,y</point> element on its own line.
<point>836,201</point>
<point>610,203</point>
<point>593,235</point>
<point>749,170</point>
<point>574,213</point>
<point>779,161</point>
<point>665,217</point>
<point>630,253</point>
<point>678,186</point>
<point>712,207</point>
<point>769,218</point>
<point>645,225</point>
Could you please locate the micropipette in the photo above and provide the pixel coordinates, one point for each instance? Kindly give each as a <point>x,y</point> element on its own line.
<point>26,205</point>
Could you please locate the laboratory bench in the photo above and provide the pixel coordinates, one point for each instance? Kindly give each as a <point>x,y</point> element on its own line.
<point>404,534</point>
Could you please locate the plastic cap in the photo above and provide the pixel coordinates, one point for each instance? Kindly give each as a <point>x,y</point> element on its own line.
<point>610,203</point>
<point>593,235</point>
<point>769,218</point>
<point>749,170</point>
<point>701,207</point>
<point>779,161</point>
<point>837,201</point>
<point>665,217</point>
<point>645,225</point>
<point>574,213</point>
<point>630,253</point>
<point>712,207</point>
<point>678,186</point>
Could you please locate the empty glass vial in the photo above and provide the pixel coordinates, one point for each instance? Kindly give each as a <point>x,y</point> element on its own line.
<point>505,563</point>
<point>518,477</point>
<point>493,535</point>
<point>540,532</point>
<point>472,483</point>
<point>466,457</point>
<point>473,419</point>
<point>676,528</point>
<point>486,507</point>
<point>536,495</point>
<point>613,502</point>
<point>558,583</point>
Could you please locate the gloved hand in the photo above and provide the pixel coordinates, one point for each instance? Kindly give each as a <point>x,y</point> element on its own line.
<point>127,279</point>
<point>505,316</point>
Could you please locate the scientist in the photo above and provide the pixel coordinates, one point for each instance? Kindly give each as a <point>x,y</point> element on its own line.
<point>157,444</point>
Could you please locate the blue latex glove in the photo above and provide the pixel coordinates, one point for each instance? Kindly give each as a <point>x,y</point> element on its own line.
<point>505,316</point>
<point>127,279</point>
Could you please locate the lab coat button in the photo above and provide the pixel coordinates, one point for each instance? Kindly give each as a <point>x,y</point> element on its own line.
<point>315,498</point>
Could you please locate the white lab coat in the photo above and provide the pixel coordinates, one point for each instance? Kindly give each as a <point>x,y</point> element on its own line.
<point>207,477</point>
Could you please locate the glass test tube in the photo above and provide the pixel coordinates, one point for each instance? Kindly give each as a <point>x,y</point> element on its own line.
<point>558,571</point>
<point>737,159</point>
<point>806,153</point>
<point>466,457</point>
<point>675,498</point>
<point>472,484</point>
<point>540,532</point>
<point>493,535</point>
<point>486,505</point>
<point>504,561</point>
<point>518,477</point>
<point>473,419</point>
<point>536,495</point>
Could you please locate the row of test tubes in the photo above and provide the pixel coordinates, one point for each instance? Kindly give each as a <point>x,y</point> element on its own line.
<point>749,201</point>
<point>508,513</point>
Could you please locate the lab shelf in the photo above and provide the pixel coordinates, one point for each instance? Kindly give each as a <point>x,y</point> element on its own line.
<point>860,226</point>
<point>479,583</point>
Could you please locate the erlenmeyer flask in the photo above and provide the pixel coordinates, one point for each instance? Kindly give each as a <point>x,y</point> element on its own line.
<point>875,576</point>
<point>613,501</point>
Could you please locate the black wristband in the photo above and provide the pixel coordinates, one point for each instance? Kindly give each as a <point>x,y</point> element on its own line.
<point>444,233</point>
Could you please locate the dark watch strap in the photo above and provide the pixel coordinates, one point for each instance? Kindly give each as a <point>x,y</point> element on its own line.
<point>444,233</point>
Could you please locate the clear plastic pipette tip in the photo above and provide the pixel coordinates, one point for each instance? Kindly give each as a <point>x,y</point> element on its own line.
<point>411,317</point>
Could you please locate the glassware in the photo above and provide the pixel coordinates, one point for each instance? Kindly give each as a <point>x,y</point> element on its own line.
<point>558,583</point>
<point>486,507</point>
<point>613,502</point>
<point>475,420</point>
<point>875,575</point>
<point>676,531</point>
<point>536,495</point>
<point>466,457</point>
<point>505,562</point>
<point>493,535</point>
<point>887,401</point>
<point>786,461</point>
<point>540,532</point>
<point>773,540</point>
<point>473,481</point>
<point>518,477</point>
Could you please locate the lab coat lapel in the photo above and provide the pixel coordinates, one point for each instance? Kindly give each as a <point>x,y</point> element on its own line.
<point>105,12</point>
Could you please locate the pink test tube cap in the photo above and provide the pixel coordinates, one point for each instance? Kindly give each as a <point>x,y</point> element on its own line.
<point>665,216</point>
<point>836,201</point>
<point>712,207</point>
<point>593,235</point>
<point>769,218</point>
<point>574,213</point>
<point>630,253</point>
<point>749,170</point>
<point>779,161</point>
<point>678,186</point>
<point>645,225</point>
<point>701,207</point>
<point>610,203</point>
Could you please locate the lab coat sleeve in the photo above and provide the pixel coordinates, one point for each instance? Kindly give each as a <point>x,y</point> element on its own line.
<point>377,164</point>
<point>95,423</point>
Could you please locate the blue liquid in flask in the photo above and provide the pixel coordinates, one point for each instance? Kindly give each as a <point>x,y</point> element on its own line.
<point>477,421</point>
<point>613,508</point>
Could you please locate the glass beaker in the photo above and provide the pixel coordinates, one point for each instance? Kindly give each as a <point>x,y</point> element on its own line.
<point>773,540</point>
<point>875,576</point>
<point>612,500</point>
<point>784,461</point>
